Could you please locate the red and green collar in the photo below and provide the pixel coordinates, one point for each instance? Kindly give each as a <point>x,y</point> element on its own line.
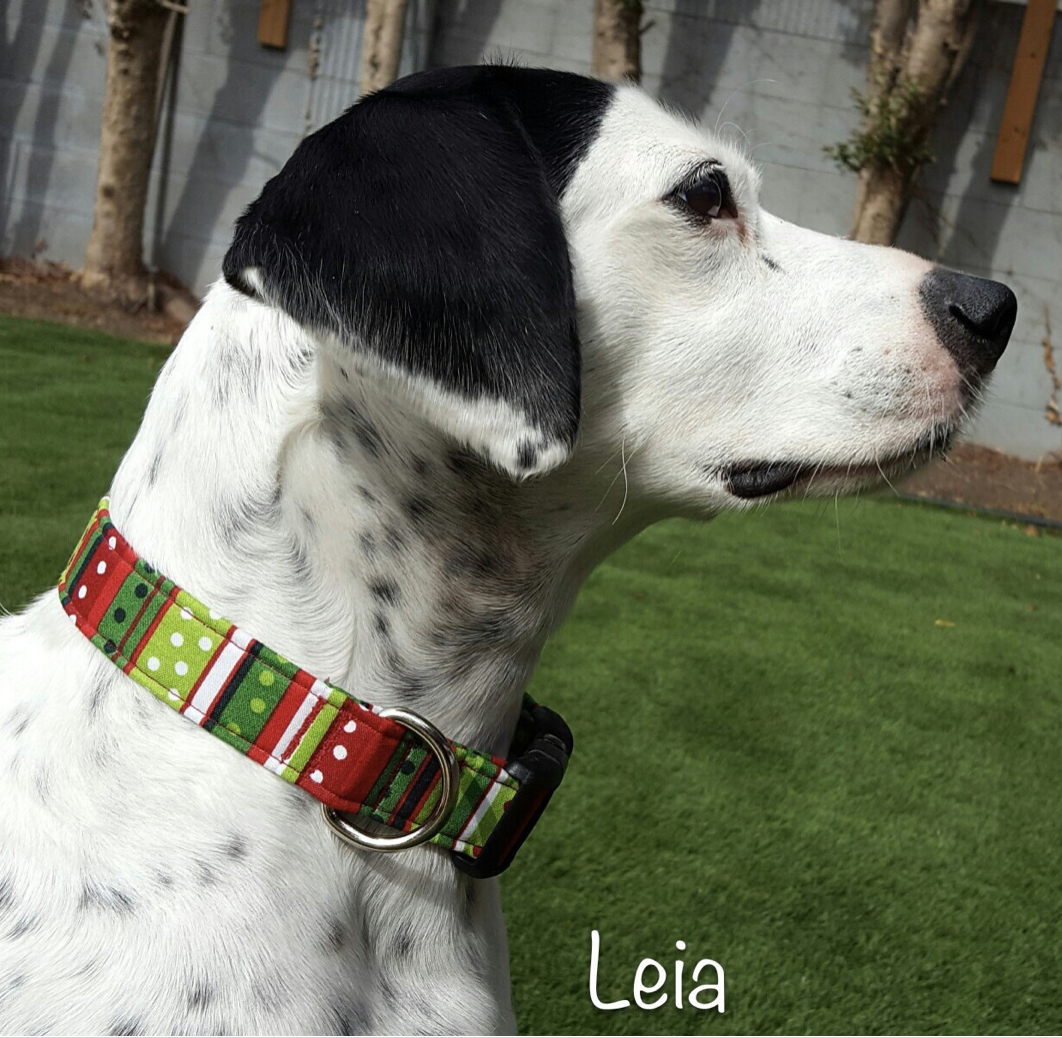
<point>342,751</point>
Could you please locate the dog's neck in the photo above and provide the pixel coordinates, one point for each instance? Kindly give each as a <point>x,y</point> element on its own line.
<point>301,501</point>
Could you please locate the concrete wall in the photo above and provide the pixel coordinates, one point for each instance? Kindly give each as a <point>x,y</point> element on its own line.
<point>775,72</point>
<point>238,112</point>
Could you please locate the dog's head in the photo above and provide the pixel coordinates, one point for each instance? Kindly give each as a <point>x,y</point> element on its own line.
<point>503,247</point>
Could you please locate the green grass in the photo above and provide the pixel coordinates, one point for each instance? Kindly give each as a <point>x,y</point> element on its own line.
<point>70,402</point>
<point>782,758</point>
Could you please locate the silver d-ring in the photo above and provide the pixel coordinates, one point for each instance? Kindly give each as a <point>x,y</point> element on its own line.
<point>449,777</point>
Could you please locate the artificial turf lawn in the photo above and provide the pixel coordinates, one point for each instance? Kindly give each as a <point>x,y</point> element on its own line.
<point>781,757</point>
<point>70,403</point>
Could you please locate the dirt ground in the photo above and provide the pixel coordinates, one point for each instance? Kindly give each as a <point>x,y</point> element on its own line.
<point>50,292</point>
<point>987,480</point>
<point>973,477</point>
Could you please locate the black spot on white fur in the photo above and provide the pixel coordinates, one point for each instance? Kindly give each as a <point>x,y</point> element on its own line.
<point>474,560</point>
<point>353,1020</point>
<point>106,898</point>
<point>418,508</point>
<point>365,433</point>
<point>337,935</point>
<point>206,873</point>
<point>385,591</point>
<point>394,540</point>
<point>20,720</point>
<point>97,694</point>
<point>26,925</point>
<point>411,691</point>
<point>201,994</point>
<point>464,464</point>
<point>236,847</point>
<point>403,946</point>
<point>126,1025</point>
<point>153,469</point>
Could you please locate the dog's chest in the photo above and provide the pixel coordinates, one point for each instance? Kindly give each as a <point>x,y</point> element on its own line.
<point>152,881</point>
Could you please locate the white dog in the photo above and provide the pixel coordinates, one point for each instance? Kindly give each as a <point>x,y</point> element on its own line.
<point>477,333</point>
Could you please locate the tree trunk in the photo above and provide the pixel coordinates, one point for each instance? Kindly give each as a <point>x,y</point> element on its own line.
<point>382,46</point>
<point>928,54</point>
<point>888,30</point>
<point>114,258</point>
<point>617,40</point>
<point>881,202</point>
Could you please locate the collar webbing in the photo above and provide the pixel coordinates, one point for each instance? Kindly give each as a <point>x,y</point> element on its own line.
<point>307,731</point>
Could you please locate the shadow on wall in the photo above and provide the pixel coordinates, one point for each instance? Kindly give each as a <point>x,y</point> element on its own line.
<point>21,51</point>
<point>929,228</point>
<point>695,50</point>
<point>203,197</point>
<point>978,228</point>
<point>857,32</point>
<point>958,214</point>
<point>473,21</point>
<point>696,53</point>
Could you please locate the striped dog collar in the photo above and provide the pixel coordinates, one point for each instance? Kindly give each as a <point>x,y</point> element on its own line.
<point>352,757</point>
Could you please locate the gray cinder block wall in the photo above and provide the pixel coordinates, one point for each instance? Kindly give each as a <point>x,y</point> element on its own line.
<point>238,112</point>
<point>774,73</point>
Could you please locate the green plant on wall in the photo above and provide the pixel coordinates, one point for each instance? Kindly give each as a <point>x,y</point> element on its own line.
<point>885,137</point>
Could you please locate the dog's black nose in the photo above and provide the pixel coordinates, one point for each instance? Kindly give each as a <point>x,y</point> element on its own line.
<point>973,317</point>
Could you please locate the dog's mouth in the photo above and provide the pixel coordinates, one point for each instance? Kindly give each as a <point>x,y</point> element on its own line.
<point>762,478</point>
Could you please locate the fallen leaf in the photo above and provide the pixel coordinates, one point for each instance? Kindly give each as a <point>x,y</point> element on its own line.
<point>944,623</point>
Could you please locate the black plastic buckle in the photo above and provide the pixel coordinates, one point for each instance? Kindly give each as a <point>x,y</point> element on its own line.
<point>539,768</point>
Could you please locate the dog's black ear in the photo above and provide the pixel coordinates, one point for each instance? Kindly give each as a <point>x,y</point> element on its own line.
<point>422,228</point>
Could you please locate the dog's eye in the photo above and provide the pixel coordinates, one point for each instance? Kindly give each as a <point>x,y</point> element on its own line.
<point>707,198</point>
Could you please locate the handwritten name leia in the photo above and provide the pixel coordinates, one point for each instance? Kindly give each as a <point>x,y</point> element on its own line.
<point>644,986</point>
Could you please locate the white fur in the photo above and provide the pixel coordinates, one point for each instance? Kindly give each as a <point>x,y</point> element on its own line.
<point>150,877</point>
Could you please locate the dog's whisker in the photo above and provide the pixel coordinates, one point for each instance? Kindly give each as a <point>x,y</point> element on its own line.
<point>623,469</point>
<point>886,478</point>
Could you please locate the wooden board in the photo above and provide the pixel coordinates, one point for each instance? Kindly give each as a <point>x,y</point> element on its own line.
<point>1028,70</point>
<point>273,19</point>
